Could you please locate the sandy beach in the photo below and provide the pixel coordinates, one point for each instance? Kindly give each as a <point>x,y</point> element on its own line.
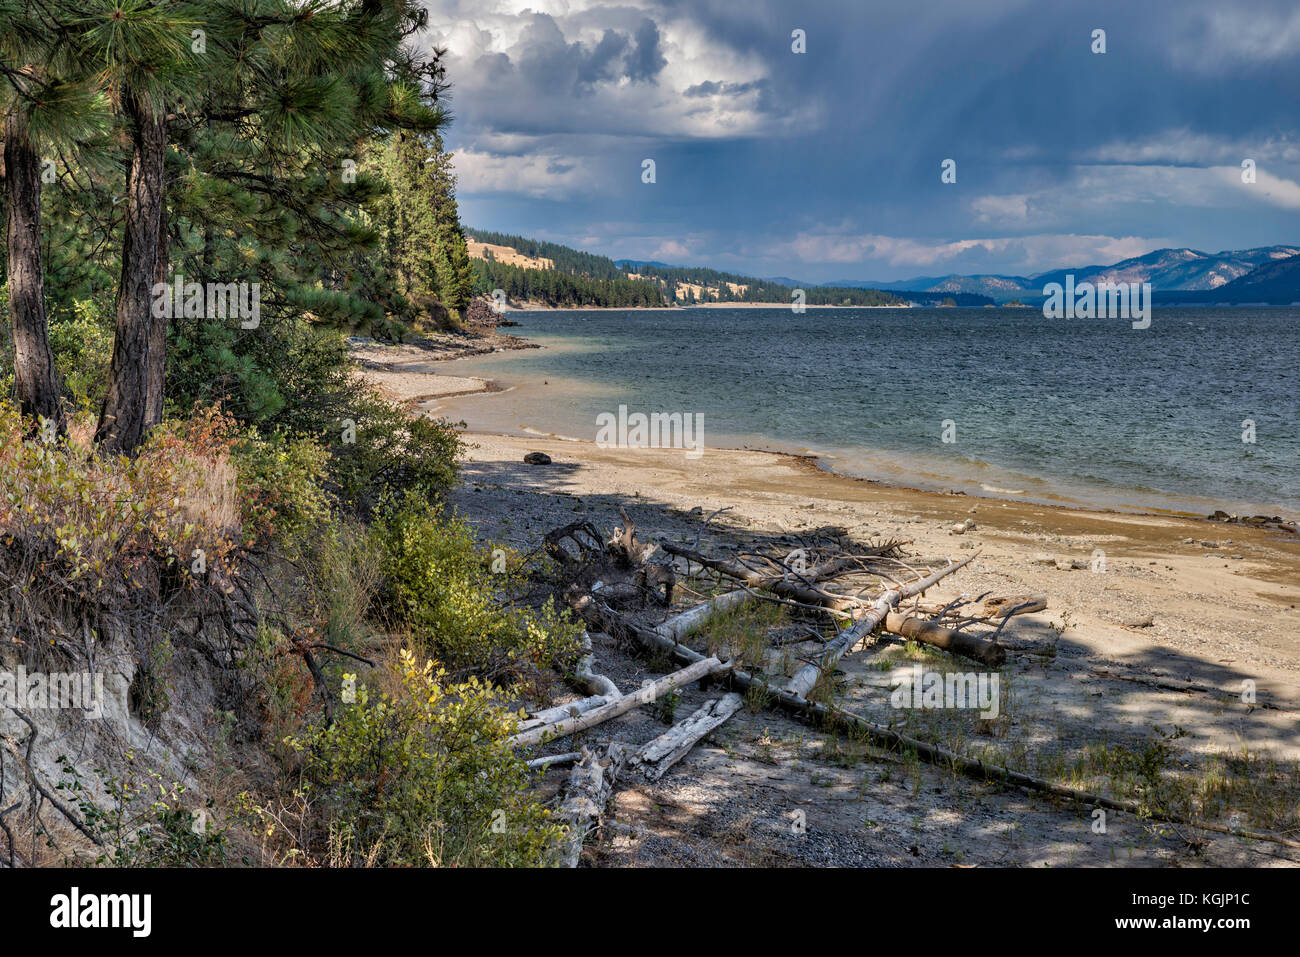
<point>1154,622</point>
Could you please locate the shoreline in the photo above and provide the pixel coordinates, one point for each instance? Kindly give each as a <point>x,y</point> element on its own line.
<point>1152,621</point>
<point>730,461</point>
<point>1241,591</point>
<point>1147,627</point>
<point>542,307</point>
<point>396,371</point>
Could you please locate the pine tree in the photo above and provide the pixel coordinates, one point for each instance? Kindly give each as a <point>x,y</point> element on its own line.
<point>50,105</point>
<point>268,100</point>
<point>423,239</point>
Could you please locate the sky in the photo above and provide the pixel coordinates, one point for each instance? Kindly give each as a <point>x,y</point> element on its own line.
<point>827,164</point>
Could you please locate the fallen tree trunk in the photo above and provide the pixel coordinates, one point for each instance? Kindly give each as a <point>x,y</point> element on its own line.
<point>959,643</point>
<point>695,617</point>
<point>805,679</point>
<point>596,684</point>
<point>702,668</point>
<point>657,756</point>
<point>591,782</point>
<point>561,711</point>
<point>602,690</point>
<point>569,757</point>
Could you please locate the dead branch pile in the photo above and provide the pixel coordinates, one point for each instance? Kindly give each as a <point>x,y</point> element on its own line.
<point>864,589</point>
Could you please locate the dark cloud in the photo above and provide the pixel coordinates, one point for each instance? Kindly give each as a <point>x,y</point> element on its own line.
<point>723,88</point>
<point>646,59</point>
<point>554,65</point>
<point>766,144</point>
<point>604,62</point>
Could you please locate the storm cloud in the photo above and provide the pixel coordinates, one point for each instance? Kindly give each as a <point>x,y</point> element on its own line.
<point>826,164</point>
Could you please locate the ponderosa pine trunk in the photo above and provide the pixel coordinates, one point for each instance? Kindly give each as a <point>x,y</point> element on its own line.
<point>158,328</point>
<point>124,419</point>
<point>37,384</point>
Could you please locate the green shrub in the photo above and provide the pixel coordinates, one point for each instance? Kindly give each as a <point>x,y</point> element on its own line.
<point>425,777</point>
<point>449,591</point>
<point>82,344</point>
<point>280,484</point>
<point>142,820</point>
<point>104,515</point>
<point>380,452</point>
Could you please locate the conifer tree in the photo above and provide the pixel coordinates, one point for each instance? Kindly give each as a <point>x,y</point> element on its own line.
<point>50,105</point>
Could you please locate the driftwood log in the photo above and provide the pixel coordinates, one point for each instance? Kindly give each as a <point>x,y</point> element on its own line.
<point>805,679</point>
<point>602,691</point>
<point>657,756</point>
<point>591,782</point>
<point>568,757</point>
<point>697,616</point>
<point>956,642</point>
<point>703,668</point>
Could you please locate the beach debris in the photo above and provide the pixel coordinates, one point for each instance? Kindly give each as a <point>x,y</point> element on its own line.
<point>590,784</point>
<point>830,716</point>
<point>927,632</point>
<point>1256,521</point>
<point>704,668</point>
<point>552,760</point>
<point>601,691</point>
<point>537,458</point>
<point>657,756</point>
<point>864,588</point>
<point>865,618</point>
<point>805,679</point>
<point>627,571</point>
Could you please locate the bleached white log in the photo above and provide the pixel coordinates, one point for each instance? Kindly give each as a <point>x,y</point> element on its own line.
<point>596,684</point>
<point>561,711</point>
<point>602,689</point>
<point>805,679</point>
<point>647,695</point>
<point>657,756</point>
<point>591,782</point>
<point>695,617</point>
<point>567,758</point>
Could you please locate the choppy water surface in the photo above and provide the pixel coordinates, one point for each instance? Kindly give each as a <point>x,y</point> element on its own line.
<point>1077,410</point>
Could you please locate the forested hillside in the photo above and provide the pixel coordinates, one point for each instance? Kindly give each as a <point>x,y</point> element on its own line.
<point>697,284</point>
<point>556,288</point>
<point>575,262</point>
<point>599,281</point>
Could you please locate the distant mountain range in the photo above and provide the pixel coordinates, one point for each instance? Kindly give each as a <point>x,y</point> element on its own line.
<point>1243,275</point>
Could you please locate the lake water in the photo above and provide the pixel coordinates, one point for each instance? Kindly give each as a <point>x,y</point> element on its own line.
<point>1070,411</point>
